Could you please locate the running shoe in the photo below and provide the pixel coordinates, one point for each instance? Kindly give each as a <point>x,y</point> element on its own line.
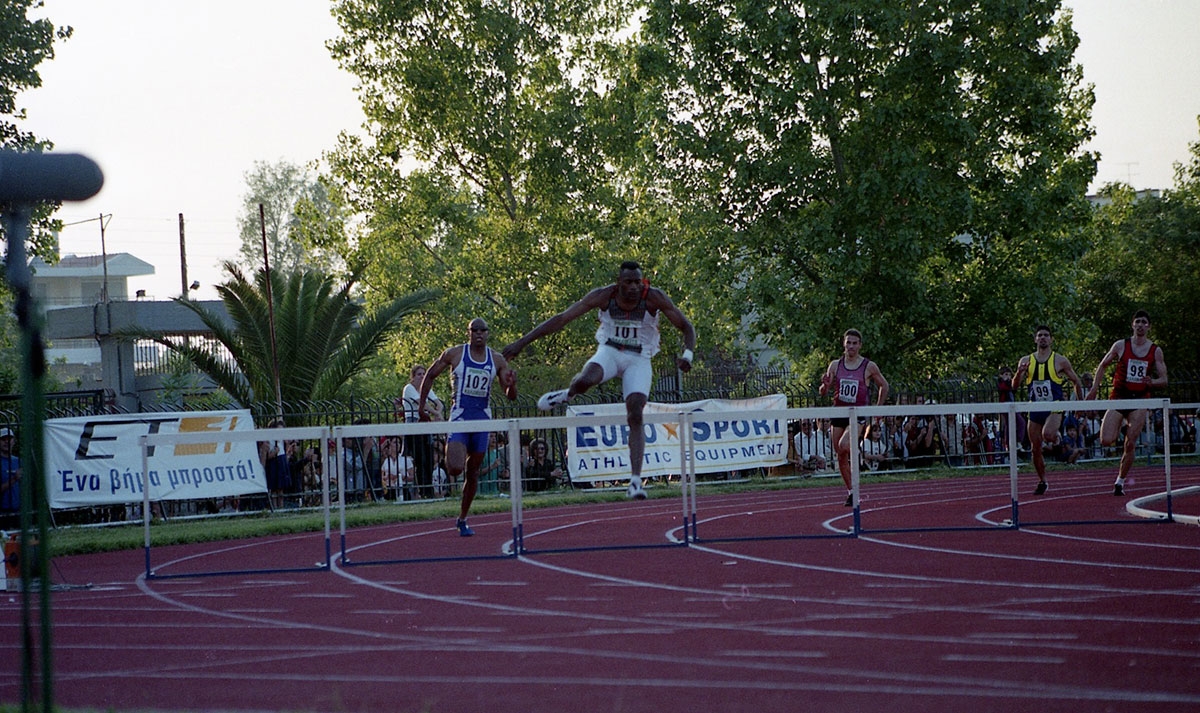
<point>464,529</point>
<point>636,491</point>
<point>551,399</point>
<point>1118,489</point>
<point>850,500</point>
<point>1041,488</point>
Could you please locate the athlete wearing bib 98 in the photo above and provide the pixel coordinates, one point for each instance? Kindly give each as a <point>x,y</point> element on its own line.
<point>1141,366</point>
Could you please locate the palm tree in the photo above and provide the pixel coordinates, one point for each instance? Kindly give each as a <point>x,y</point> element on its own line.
<point>323,337</point>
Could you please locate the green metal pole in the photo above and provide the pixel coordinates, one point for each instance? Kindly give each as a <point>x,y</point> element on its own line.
<point>33,483</point>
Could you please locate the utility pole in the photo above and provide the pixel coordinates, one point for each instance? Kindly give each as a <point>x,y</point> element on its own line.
<point>183,281</point>
<point>262,222</point>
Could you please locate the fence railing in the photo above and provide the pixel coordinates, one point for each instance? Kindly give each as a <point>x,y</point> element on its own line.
<point>963,444</point>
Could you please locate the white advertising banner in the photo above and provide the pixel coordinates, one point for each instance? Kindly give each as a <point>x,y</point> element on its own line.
<point>97,460</point>
<point>602,452</point>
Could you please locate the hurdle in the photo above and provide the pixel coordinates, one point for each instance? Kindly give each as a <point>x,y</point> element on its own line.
<point>153,440</point>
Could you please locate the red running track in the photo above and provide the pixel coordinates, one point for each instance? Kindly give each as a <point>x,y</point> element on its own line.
<point>1102,617</point>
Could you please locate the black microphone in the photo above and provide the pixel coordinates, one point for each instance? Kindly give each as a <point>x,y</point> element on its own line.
<point>36,177</point>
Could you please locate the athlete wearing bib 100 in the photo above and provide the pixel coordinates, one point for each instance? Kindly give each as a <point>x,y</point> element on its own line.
<point>851,388</point>
<point>472,387</point>
<point>1045,384</point>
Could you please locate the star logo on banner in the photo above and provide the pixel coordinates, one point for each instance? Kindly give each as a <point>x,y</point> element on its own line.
<point>672,430</point>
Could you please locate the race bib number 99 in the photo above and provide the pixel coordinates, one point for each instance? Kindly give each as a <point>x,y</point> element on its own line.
<point>1041,390</point>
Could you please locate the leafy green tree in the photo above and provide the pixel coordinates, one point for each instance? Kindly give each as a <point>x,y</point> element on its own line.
<point>911,169</point>
<point>303,225</point>
<point>323,335</point>
<point>25,44</point>
<point>489,168</point>
<point>1145,254</point>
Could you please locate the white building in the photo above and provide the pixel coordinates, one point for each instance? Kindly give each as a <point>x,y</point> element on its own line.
<point>76,281</point>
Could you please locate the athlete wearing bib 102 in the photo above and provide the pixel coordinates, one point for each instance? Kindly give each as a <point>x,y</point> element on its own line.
<point>472,385</point>
<point>628,339</point>
<point>1045,384</point>
<point>851,389</point>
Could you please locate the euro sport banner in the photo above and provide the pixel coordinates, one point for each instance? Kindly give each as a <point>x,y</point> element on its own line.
<point>602,452</point>
<point>96,460</point>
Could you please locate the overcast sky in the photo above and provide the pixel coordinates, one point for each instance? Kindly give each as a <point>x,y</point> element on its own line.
<point>177,100</point>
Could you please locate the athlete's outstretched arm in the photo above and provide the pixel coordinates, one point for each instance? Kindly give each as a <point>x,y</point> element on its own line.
<point>595,299</point>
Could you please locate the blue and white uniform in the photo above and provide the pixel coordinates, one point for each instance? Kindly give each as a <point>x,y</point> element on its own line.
<point>472,388</point>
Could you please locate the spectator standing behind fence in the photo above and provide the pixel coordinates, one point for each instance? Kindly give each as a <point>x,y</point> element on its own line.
<point>1043,374</point>
<point>1004,384</point>
<point>10,482</point>
<point>394,469</point>
<point>975,440</point>
<point>420,447</point>
<point>923,439</point>
<point>849,378</point>
<point>806,443</point>
<point>274,458</point>
<point>1140,367</point>
<point>495,466</point>
<point>541,472</point>
<point>875,450</point>
<point>952,440</point>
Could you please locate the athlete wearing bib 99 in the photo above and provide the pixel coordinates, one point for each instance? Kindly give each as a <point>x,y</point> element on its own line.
<point>1044,384</point>
<point>1043,373</point>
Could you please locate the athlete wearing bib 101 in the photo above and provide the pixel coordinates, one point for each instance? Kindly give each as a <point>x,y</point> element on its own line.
<point>472,385</point>
<point>1045,384</point>
<point>851,389</point>
<point>628,340</point>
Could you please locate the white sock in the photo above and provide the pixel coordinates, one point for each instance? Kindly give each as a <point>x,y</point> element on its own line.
<point>1119,481</point>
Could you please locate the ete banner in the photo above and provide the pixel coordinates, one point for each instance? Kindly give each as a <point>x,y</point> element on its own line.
<point>602,452</point>
<point>96,460</point>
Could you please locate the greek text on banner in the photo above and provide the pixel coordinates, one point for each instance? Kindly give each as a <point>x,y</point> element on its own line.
<point>97,460</point>
<point>602,452</point>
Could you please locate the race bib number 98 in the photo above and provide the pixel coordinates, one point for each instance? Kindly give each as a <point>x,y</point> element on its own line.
<point>1136,371</point>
